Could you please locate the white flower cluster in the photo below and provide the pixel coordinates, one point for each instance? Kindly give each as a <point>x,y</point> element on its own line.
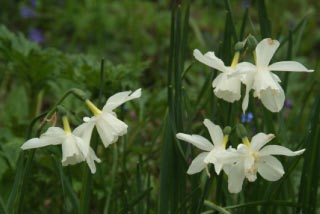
<point>258,77</point>
<point>248,159</point>
<point>76,144</point>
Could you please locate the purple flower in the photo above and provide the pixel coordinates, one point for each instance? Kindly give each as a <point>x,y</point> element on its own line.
<point>247,118</point>
<point>288,103</point>
<point>27,12</point>
<point>36,35</point>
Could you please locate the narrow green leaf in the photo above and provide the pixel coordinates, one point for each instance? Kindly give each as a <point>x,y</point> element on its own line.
<point>66,186</point>
<point>135,201</point>
<point>264,21</point>
<point>310,172</point>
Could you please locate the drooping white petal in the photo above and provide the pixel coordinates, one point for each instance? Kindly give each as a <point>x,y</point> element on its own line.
<point>116,126</point>
<point>279,150</point>
<point>197,165</point>
<point>84,131</point>
<point>209,59</point>
<point>120,98</point>
<point>245,101</point>
<point>227,88</point>
<point>273,100</point>
<point>215,132</point>
<point>91,158</point>
<point>248,81</point>
<point>236,176</point>
<point>196,140</point>
<point>270,168</point>
<point>53,136</point>
<point>265,51</point>
<point>288,66</point>
<point>71,153</point>
<point>259,140</point>
<point>105,134</point>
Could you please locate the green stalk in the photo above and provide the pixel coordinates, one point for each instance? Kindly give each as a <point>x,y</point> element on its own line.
<point>87,179</point>
<point>264,21</point>
<point>113,174</point>
<point>216,207</point>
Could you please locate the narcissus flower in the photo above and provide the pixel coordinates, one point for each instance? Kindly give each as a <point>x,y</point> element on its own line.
<point>211,153</point>
<point>74,148</point>
<point>260,78</point>
<point>252,158</point>
<point>225,87</point>
<point>108,125</point>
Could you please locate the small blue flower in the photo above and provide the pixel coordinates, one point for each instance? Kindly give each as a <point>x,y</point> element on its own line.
<point>36,35</point>
<point>27,12</point>
<point>247,118</point>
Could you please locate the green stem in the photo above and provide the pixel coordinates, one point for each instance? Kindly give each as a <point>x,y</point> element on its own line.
<point>75,91</point>
<point>216,207</point>
<point>114,173</point>
<point>87,179</point>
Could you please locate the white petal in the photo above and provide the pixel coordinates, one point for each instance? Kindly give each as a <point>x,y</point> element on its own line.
<point>91,159</point>
<point>120,98</point>
<point>279,150</point>
<point>289,66</point>
<point>245,101</point>
<point>210,59</point>
<point>110,128</point>
<point>217,80</point>
<point>270,168</point>
<point>236,176</point>
<point>215,156</point>
<point>263,80</point>
<point>53,136</point>
<point>197,165</point>
<point>84,131</point>
<point>196,140</point>
<point>82,146</point>
<point>265,50</point>
<point>71,154</point>
<point>227,88</point>
<point>273,100</point>
<point>275,77</point>
<point>215,132</point>
<point>244,68</point>
<point>259,140</point>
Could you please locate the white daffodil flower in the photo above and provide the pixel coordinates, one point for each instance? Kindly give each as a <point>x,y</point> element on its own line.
<point>225,87</point>
<point>212,151</point>
<point>74,148</point>
<point>250,158</point>
<point>260,78</point>
<point>108,125</point>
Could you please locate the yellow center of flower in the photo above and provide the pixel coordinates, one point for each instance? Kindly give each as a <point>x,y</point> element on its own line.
<point>235,59</point>
<point>66,125</point>
<point>93,108</point>
<point>246,142</point>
